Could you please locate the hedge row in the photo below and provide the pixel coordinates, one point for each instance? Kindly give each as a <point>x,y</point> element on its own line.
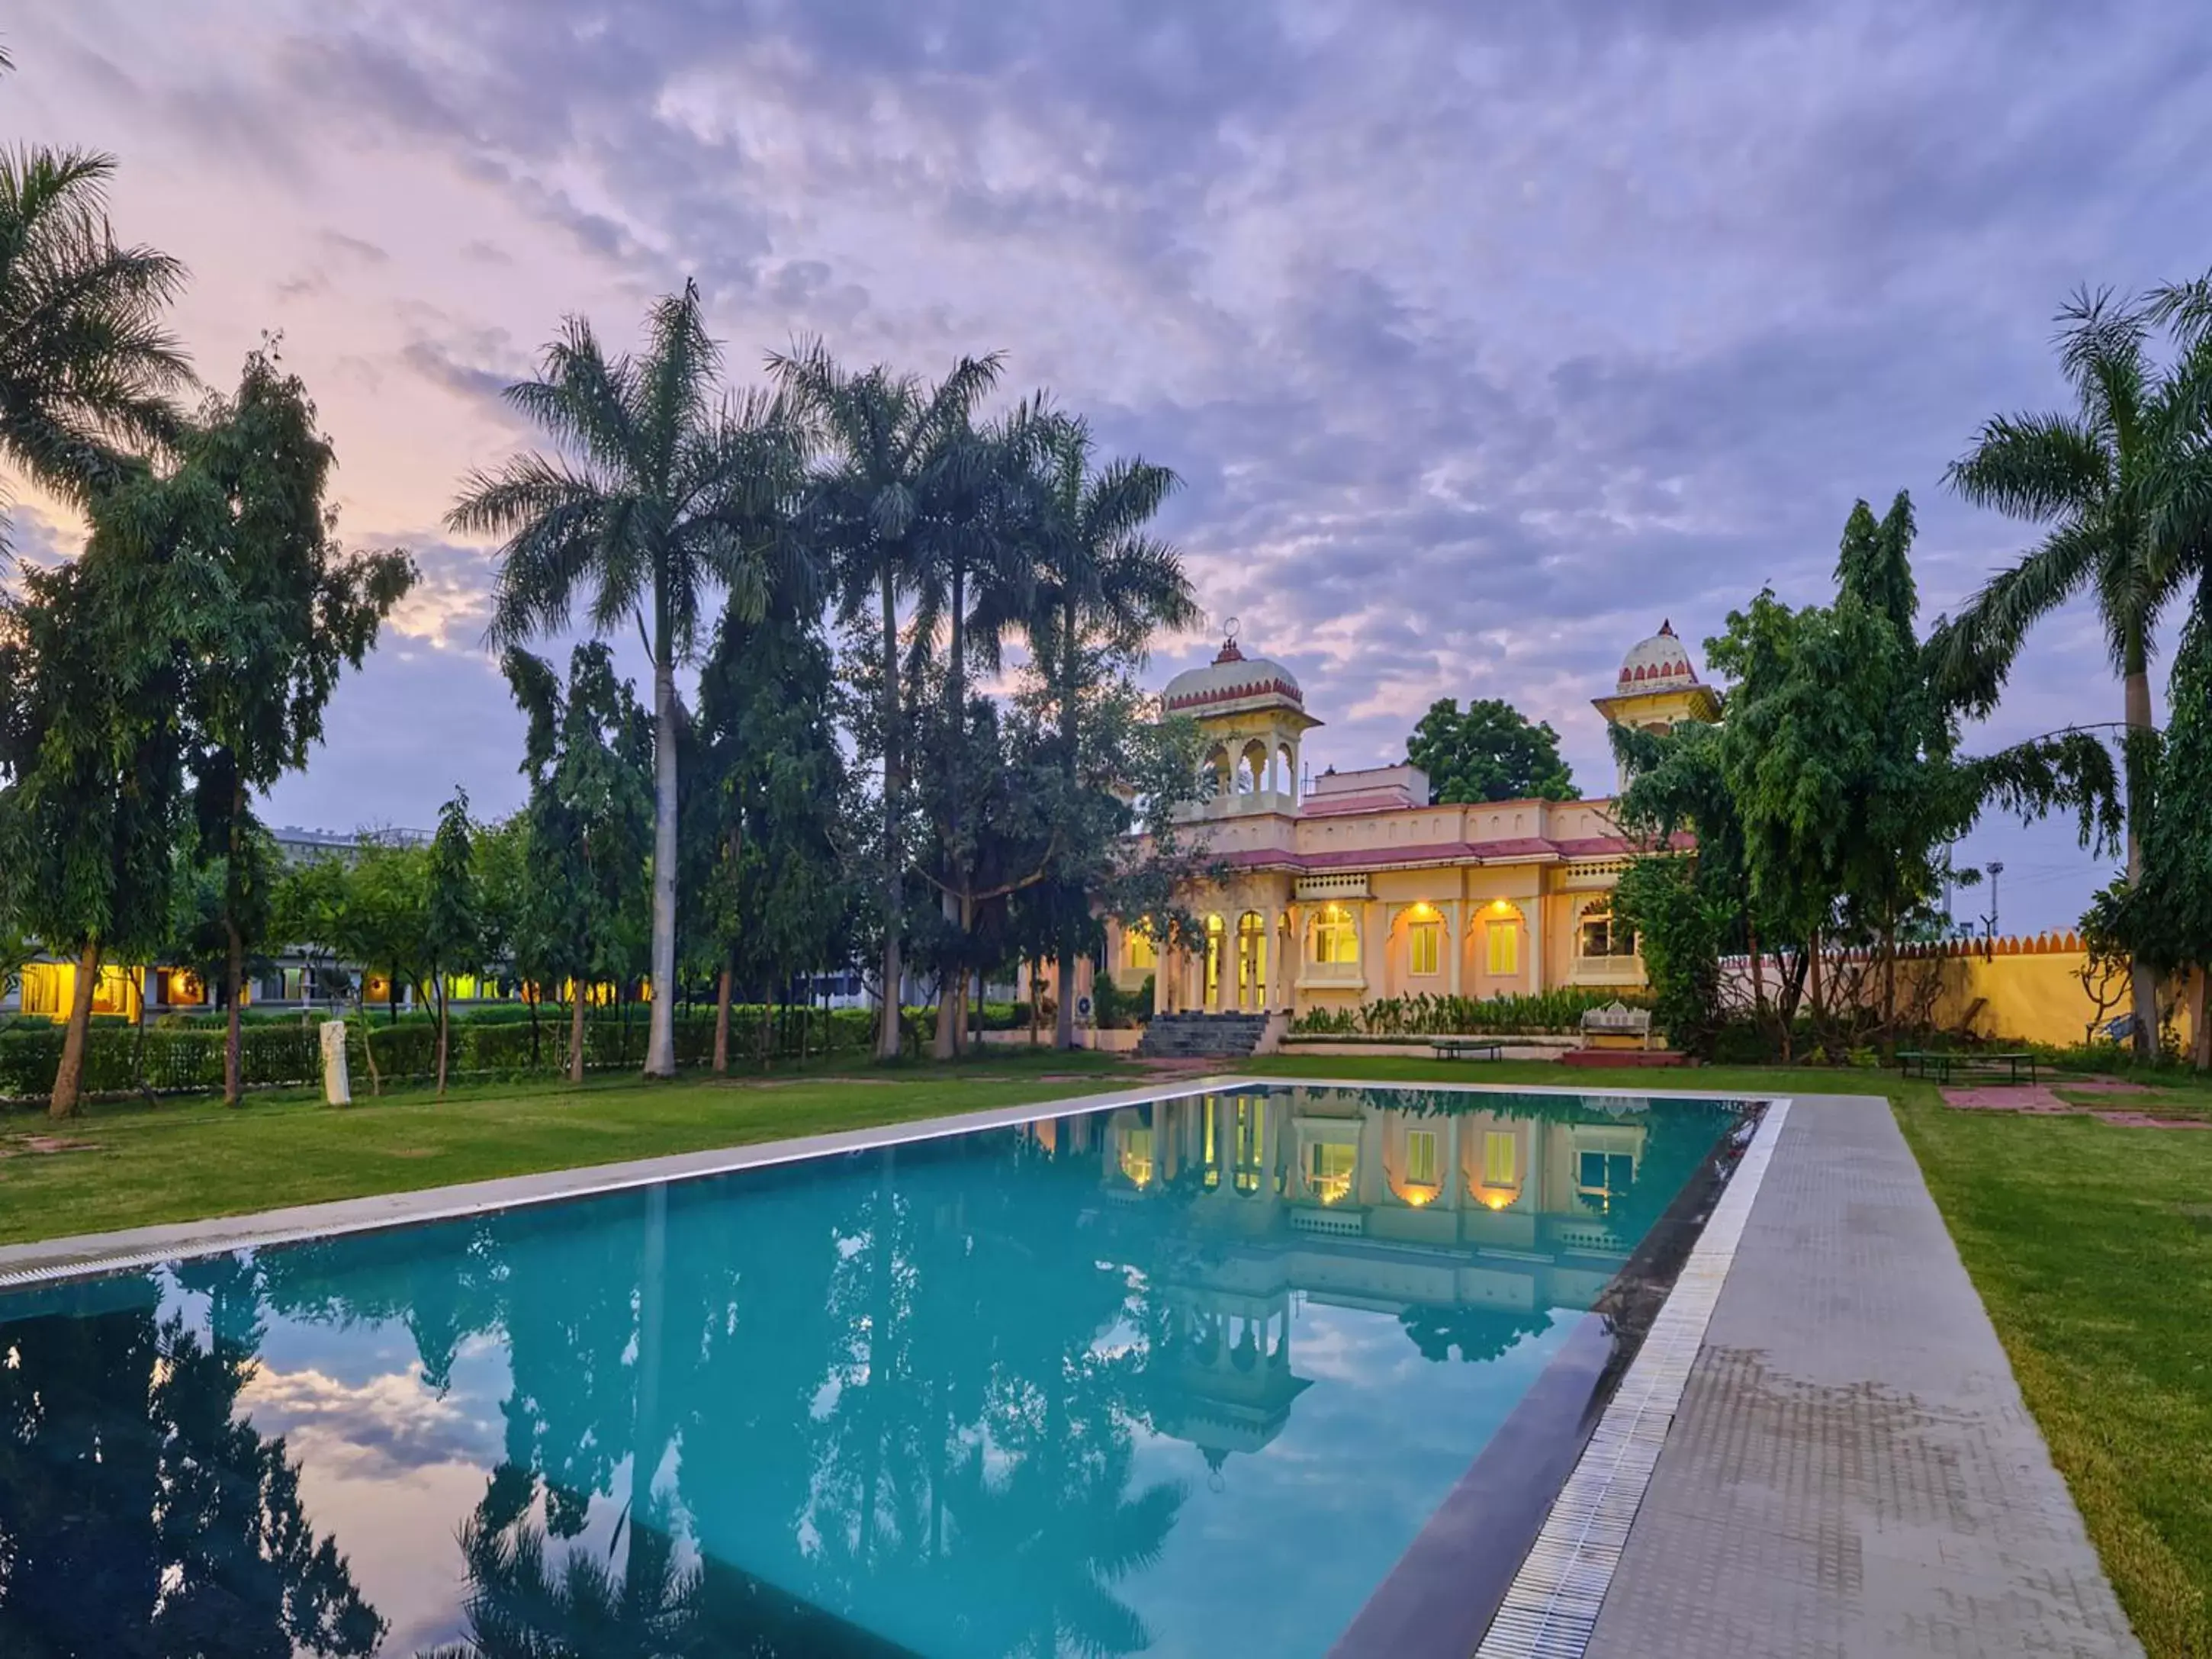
<point>179,1059</point>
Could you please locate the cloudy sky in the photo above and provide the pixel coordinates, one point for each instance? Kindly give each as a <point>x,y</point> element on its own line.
<point>1484,337</point>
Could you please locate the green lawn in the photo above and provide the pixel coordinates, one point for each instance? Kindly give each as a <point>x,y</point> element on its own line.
<point>2092,1245</point>
<point>195,1158</point>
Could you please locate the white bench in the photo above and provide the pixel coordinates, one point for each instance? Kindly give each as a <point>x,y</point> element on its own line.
<point>1617,1025</point>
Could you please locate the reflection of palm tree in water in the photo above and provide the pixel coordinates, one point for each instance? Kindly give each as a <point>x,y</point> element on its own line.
<point>137,1517</point>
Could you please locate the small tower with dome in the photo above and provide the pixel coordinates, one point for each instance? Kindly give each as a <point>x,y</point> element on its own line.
<point>1252,714</point>
<point>1658,688</point>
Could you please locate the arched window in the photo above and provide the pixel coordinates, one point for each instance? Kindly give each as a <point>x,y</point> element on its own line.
<point>1214,934</point>
<point>1252,769</point>
<point>1600,935</point>
<point>1333,938</point>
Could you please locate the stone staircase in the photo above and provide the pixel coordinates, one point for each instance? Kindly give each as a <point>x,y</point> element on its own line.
<point>1201,1037</point>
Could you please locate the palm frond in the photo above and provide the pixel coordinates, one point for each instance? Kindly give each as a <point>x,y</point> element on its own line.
<point>2033,466</point>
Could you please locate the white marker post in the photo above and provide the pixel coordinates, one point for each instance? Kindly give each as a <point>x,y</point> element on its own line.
<point>337,1088</point>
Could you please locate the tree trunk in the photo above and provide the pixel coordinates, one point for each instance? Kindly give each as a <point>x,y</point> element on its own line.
<point>2200,1040</point>
<point>69,1076</point>
<point>889,1034</point>
<point>442,1029</point>
<point>722,1023</point>
<point>660,1039</point>
<point>234,965</point>
<point>575,1033</point>
<point>1063,1017</point>
<point>368,1053</point>
<point>951,989</point>
<point>2142,978</point>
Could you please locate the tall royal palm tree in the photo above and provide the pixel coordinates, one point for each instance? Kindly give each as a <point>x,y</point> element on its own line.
<point>897,455</point>
<point>662,489</point>
<point>2103,478</point>
<point>86,367</point>
<point>1104,586</point>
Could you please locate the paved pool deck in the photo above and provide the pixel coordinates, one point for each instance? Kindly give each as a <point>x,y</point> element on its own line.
<point>1851,1471</point>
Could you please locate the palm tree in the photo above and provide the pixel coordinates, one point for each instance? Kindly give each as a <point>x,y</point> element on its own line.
<point>2103,479</point>
<point>86,367</point>
<point>899,453</point>
<point>660,490</point>
<point>1105,586</point>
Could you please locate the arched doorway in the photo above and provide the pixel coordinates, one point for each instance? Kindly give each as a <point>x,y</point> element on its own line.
<point>1216,937</point>
<point>1251,962</point>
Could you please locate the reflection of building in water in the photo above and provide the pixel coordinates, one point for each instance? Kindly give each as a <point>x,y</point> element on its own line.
<point>1451,1220</point>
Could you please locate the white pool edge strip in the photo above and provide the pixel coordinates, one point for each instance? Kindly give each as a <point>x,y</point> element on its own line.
<point>1550,1609</point>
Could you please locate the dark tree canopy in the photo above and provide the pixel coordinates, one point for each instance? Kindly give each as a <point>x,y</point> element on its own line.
<point>1491,753</point>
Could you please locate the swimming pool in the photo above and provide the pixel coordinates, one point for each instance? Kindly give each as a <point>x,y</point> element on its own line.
<point>1189,1377</point>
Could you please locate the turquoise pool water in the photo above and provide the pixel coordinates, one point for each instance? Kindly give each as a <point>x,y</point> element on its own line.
<point>1178,1379</point>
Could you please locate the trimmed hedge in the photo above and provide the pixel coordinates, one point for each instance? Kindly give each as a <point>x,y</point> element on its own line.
<point>1545,1012</point>
<point>181,1059</point>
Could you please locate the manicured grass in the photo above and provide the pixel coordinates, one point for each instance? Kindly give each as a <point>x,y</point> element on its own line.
<point>2091,1245</point>
<point>195,1158</point>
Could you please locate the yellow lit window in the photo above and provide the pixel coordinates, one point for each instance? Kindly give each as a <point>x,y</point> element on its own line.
<point>1504,939</point>
<point>1331,1170</point>
<point>1137,1157</point>
<point>1421,1157</point>
<point>1335,936</point>
<point>1426,940</point>
<point>1138,950</point>
<point>1501,1159</point>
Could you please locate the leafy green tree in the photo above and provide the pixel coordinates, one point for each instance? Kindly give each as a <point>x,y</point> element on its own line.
<point>769,789</point>
<point>280,611</point>
<point>92,779</point>
<point>86,367</point>
<point>2113,480</point>
<point>1105,585</point>
<point>452,924</point>
<point>384,925</point>
<point>900,457</point>
<point>1491,753</point>
<point>661,490</point>
<point>1679,930</point>
<point>590,817</point>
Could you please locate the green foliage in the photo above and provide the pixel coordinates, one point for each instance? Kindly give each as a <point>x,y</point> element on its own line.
<point>1679,927</point>
<point>1491,753</point>
<point>86,366</point>
<point>2165,918</point>
<point>1539,1011</point>
<point>185,1056</point>
<point>1115,1008</point>
<point>453,925</point>
<point>662,489</point>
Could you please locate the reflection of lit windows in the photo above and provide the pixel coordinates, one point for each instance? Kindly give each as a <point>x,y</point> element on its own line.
<point>1425,942</point>
<point>1138,950</point>
<point>1501,1158</point>
<point>1503,939</point>
<point>1601,936</point>
<point>1209,1120</point>
<point>1335,936</point>
<point>1331,1170</point>
<point>1137,1155</point>
<point>1601,1177</point>
<point>1248,1145</point>
<point>1421,1165</point>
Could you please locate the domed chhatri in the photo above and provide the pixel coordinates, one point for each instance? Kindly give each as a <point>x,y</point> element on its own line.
<point>1660,662</point>
<point>1233,683</point>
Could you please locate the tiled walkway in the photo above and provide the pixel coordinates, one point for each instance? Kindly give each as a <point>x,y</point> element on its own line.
<point>1853,1471</point>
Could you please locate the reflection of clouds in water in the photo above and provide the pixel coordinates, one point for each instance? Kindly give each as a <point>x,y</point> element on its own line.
<point>379,1429</point>
<point>390,1468</point>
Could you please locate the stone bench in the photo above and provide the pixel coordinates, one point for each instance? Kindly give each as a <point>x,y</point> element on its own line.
<point>1468,1048</point>
<point>1617,1025</point>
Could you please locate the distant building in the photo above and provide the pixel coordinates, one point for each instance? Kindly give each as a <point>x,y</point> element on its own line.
<point>1358,887</point>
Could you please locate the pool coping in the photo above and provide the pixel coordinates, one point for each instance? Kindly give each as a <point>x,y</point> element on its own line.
<point>1552,1599</point>
<point>79,1255</point>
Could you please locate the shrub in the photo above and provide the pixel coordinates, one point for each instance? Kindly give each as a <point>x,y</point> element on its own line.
<point>1448,1016</point>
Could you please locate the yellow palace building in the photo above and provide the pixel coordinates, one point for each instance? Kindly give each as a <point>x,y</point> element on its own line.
<point>1358,887</point>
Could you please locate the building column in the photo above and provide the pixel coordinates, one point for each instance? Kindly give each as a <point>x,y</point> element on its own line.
<point>1374,945</point>
<point>1535,914</point>
<point>1455,913</point>
<point>1163,964</point>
